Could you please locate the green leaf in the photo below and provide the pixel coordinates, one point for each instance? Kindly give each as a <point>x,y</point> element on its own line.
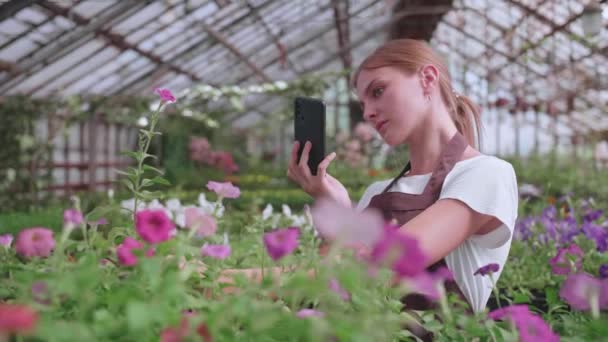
<point>153,169</point>
<point>150,195</point>
<point>519,298</point>
<point>139,315</point>
<point>160,180</point>
<point>129,184</point>
<point>146,182</point>
<point>135,155</point>
<point>552,296</point>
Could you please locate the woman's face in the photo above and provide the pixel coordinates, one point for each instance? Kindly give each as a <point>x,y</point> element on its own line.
<point>392,101</point>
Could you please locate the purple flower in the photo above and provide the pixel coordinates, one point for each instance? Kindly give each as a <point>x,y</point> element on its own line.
<point>305,313</point>
<point>282,242</point>
<point>165,95</point>
<point>597,234</point>
<point>6,240</point>
<point>487,269</point>
<point>523,228</point>
<point>592,215</point>
<point>72,217</point>
<point>400,252</point>
<point>530,326</point>
<point>581,290</point>
<point>334,285</point>
<point>40,293</point>
<point>153,226</point>
<point>216,251</point>
<point>225,190</point>
<point>603,271</point>
<point>562,262</point>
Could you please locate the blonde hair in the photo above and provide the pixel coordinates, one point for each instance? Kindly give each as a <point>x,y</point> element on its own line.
<point>410,55</point>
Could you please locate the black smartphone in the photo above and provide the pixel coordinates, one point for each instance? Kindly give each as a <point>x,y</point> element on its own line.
<point>309,125</point>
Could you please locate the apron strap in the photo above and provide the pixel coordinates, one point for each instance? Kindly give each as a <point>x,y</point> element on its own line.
<point>401,174</point>
<point>451,154</point>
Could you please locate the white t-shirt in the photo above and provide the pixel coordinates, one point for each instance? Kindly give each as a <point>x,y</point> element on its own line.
<point>487,185</point>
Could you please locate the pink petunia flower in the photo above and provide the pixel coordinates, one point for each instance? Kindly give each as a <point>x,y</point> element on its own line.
<point>17,319</point>
<point>72,217</point>
<point>204,224</point>
<point>224,190</point>
<point>153,226</point>
<point>125,251</point>
<point>165,95</point>
<point>6,240</point>
<point>35,242</point>
<point>281,242</point>
<point>345,225</point>
<point>305,313</point>
<point>562,264</point>
<point>334,285</point>
<point>581,291</point>
<point>216,251</point>
<point>530,326</point>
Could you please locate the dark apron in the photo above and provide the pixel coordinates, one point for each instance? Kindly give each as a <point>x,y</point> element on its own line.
<point>403,207</point>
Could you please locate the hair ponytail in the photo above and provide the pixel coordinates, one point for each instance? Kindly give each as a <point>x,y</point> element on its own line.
<point>467,118</point>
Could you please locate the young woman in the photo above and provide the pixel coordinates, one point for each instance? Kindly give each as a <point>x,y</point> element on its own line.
<point>460,204</point>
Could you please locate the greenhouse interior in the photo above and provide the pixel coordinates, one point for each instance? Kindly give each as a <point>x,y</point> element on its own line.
<point>316,170</point>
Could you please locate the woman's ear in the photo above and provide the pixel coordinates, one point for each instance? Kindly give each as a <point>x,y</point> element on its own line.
<point>429,76</point>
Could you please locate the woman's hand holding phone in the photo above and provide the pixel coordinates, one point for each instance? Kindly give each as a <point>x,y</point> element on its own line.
<point>320,185</point>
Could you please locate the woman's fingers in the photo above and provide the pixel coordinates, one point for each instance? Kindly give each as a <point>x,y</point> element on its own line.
<point>322,169</point>
<point>303,165</point>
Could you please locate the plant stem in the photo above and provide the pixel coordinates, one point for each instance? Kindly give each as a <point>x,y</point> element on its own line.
<point>146,138</point>
<point>495,290</point>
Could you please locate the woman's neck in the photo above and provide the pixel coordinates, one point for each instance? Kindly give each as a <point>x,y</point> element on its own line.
<point>426,145</point>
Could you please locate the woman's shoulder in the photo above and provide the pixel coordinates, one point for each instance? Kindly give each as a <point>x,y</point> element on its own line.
<point>482,171</point>
<point>483,163</point>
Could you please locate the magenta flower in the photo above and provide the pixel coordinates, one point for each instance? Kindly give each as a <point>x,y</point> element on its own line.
<point>603,271</point>
<point>281,242</point>
<point>305,313</point>
<point>203,224</point>
<point>487,269</point>
<point>165,95</point>
<point>334,285</point>
<point>6,240</point>
<point>562,263</point>
<point>530,326</point>
<point>35,242</point>
<point>125,251</point>
<point>153,226</point>
<point>400,252</point>
<point>224,190</point>
<point>216,251</point>
<point>72,217</point>
<point>581,291</point>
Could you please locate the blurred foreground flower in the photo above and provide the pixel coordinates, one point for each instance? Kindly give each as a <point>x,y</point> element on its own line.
<point>153,226</point>
<point>16,319</point>
<point>35,242</point>
<point>531,328</point>
<point>584,292</point>
<point>281,242</point>
<point>567,260</point>
<point>165,95</point>
<point>224,190</point>
<point>6,240</point>
<point>399,252</point>
<point>125,251</point>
